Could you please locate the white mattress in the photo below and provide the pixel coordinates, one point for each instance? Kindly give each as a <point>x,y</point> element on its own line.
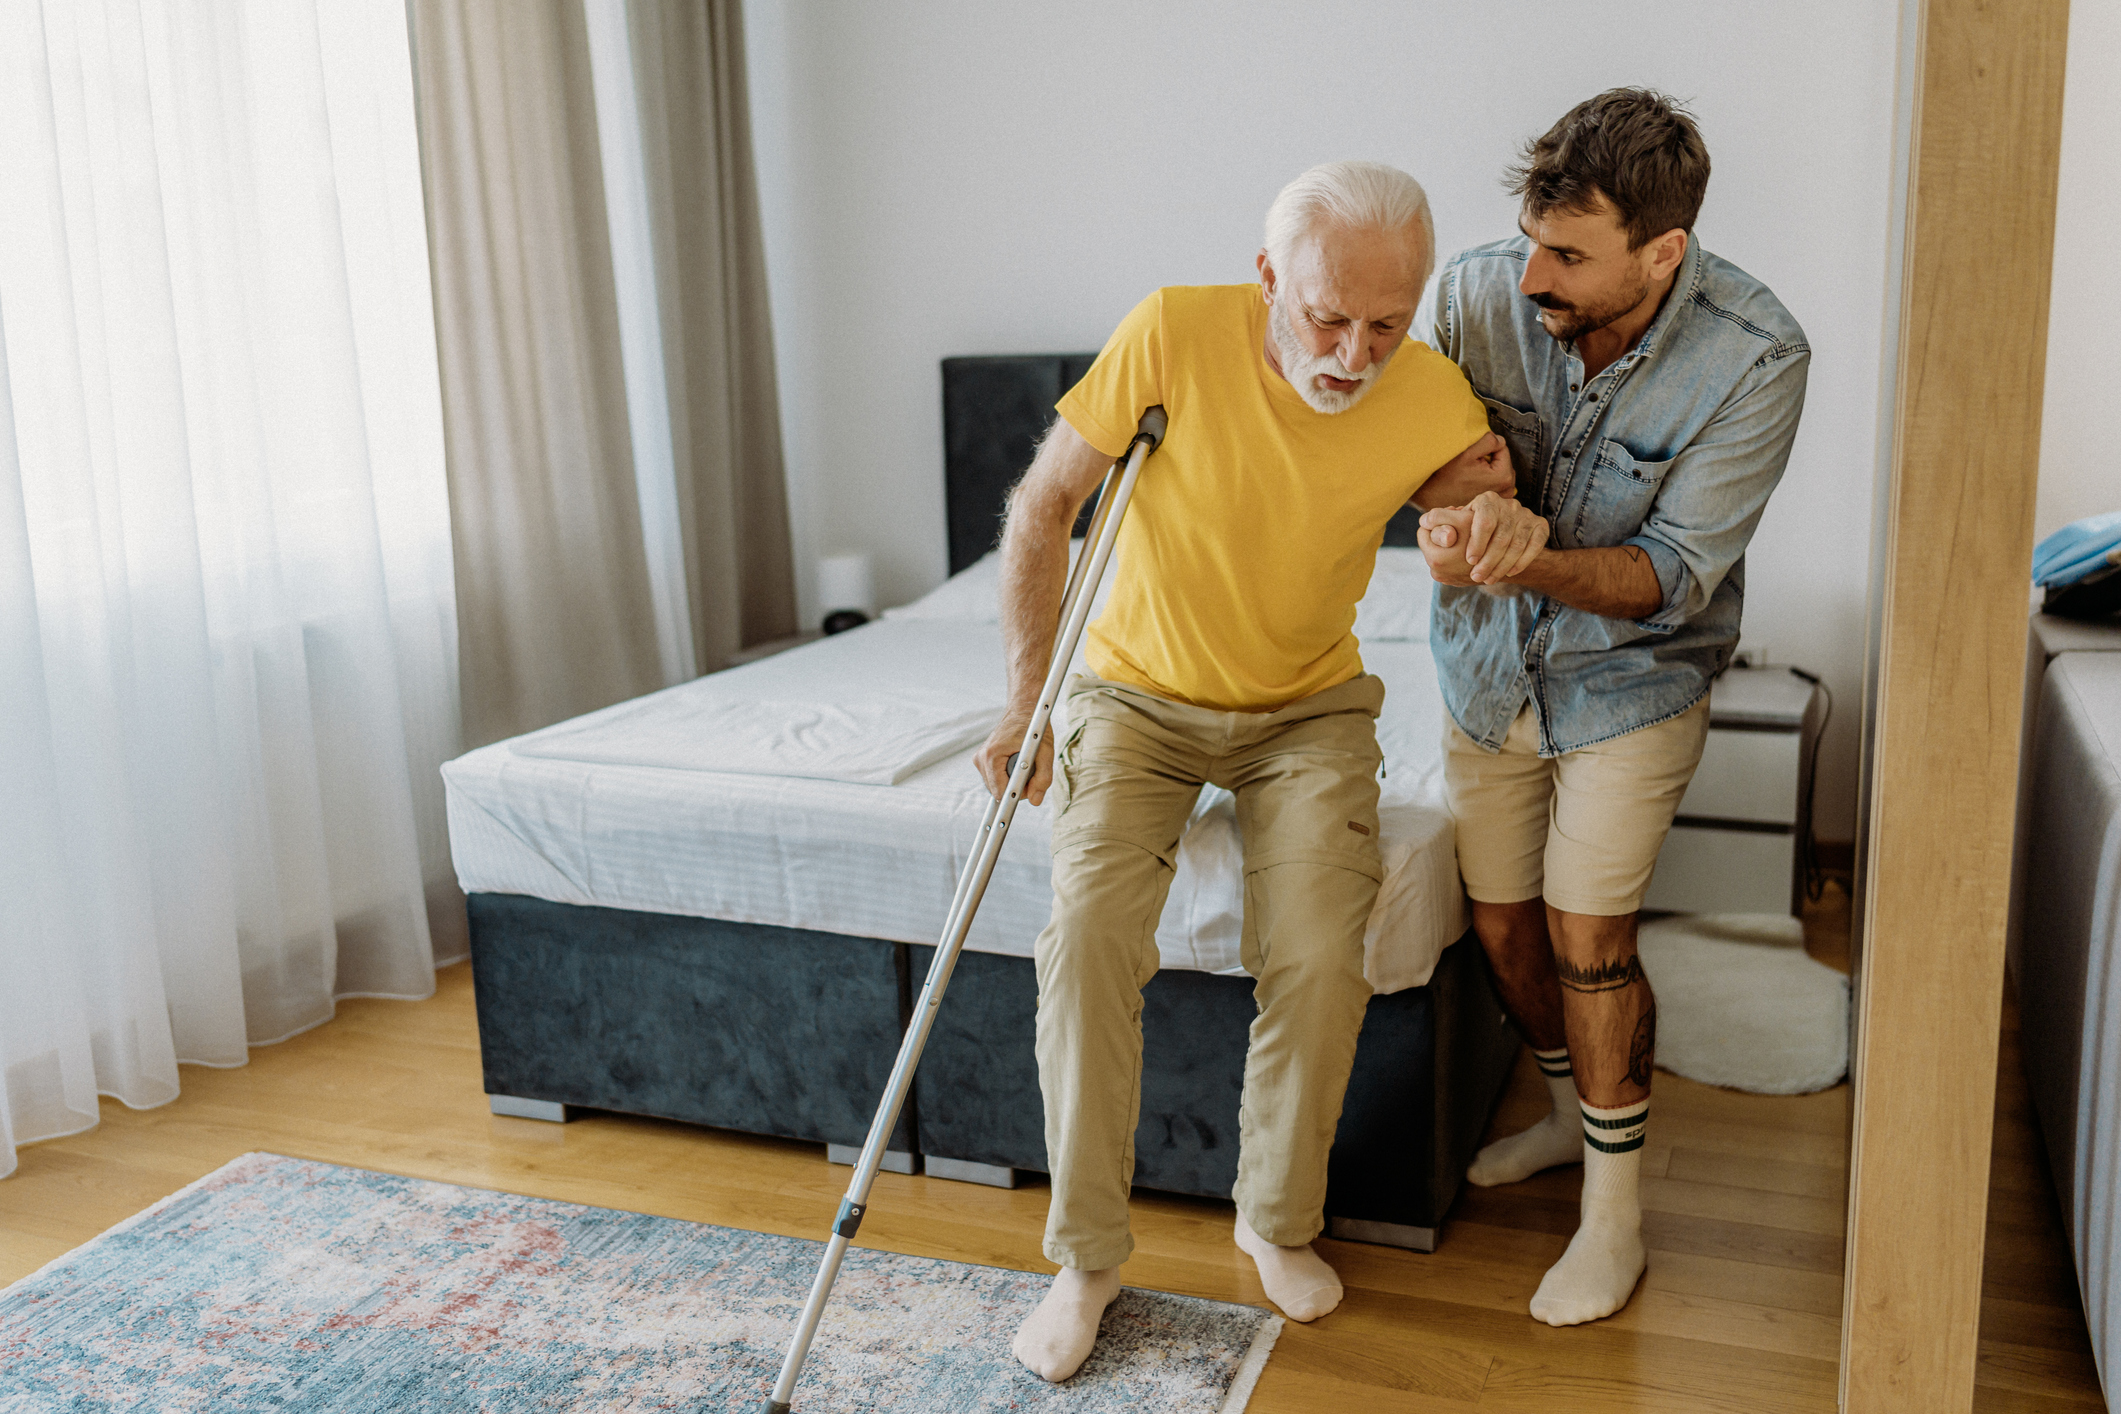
<point>872,708</point>
<point>880,861</point>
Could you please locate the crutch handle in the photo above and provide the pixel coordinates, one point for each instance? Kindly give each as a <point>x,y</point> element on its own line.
<point>1152,427</point>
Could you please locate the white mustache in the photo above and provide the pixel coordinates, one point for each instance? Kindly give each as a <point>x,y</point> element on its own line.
<point>1302,369</point>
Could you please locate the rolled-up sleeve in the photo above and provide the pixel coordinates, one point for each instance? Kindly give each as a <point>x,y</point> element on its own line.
<point>1715,490</point>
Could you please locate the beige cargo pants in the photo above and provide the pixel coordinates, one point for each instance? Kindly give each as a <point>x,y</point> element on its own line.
<point>1126,777</point>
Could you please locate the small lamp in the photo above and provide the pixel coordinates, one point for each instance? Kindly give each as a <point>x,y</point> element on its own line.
<point>846,589</point>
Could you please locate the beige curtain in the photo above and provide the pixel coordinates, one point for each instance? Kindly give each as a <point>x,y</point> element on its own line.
<point>554,606</point>
<point>717,332</point>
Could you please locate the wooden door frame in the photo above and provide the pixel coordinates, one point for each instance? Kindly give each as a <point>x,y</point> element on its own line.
<point>1950,590</point>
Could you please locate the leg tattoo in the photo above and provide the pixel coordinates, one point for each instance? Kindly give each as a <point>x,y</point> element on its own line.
<point>1599,977</point>
<point>1642,1054</point>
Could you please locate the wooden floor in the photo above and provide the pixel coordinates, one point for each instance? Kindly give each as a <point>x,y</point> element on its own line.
<point>1739,1311</point>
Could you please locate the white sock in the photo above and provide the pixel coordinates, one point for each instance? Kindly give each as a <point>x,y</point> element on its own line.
<point>1296,1278</point>
<point>1056,1338</point>
<point>1557,1139</point>
<point>1595,1277</point>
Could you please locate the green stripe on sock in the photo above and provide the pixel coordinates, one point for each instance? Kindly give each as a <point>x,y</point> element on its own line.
<point>1625,1146</point>
<point>1641,1117</point>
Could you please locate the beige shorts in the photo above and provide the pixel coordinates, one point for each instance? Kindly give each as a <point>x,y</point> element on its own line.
<point>1581,829</point>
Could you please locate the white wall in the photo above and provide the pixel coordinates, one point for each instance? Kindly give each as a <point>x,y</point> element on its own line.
<point>2080,474</point>
<point>948,178</point>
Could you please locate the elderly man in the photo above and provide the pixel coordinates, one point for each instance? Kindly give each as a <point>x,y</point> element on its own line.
<point>1301,420</point>
<point>1649,393</point>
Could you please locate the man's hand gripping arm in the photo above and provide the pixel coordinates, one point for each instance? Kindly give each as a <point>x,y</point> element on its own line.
<point>1042,510</point>
<point>1475,493</point>
<point>1483,467</point>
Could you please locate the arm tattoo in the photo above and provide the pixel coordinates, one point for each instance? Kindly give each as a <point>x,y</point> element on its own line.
<point>1635,553</point>
<point>1600,977</point>
<point>1642,1053</point>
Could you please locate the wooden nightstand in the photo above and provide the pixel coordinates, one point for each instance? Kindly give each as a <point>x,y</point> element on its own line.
<point>1734,847</point>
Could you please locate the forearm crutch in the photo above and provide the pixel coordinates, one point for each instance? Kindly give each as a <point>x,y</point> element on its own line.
<point>1083,581</point>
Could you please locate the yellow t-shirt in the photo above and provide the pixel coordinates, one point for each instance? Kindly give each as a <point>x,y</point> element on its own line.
<point>1253,529</point>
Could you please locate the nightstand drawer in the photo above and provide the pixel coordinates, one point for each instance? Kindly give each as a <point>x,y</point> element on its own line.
<point>1723,871</point>
<point>1746,775</point>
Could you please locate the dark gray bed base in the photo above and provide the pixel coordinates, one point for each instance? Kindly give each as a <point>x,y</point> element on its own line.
<point>788,1032</point>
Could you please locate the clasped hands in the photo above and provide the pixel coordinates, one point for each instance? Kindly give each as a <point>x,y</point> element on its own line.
<point>1489,540</point>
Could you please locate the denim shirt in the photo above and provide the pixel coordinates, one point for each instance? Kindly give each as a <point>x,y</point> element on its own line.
<point>1673,448</point>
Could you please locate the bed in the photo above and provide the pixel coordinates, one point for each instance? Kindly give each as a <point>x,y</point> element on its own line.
<point>714,903</point>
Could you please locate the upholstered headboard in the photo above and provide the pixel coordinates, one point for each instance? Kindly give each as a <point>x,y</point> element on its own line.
<point>994,411</point>
<point>995,408</point>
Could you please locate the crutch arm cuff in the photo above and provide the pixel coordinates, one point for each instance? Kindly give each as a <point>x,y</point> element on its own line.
<point>1152,427</point>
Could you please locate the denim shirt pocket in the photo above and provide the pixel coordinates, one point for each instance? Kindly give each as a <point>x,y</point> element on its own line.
<point>1526,436</point>
<point>1617,500</point>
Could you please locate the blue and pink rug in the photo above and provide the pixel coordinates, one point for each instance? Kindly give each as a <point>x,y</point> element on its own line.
<point>278,1284</point>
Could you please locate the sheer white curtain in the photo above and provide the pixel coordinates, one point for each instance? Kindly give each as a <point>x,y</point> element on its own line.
<point>227,630</point>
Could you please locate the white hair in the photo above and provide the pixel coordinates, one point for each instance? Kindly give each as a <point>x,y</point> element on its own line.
<point>1354,195</point>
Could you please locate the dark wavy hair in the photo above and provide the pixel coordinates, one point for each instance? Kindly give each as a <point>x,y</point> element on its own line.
<point>1635,147</point>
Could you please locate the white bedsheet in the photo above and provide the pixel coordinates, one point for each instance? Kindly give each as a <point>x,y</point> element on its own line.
<point>880,861</point>
<point>845,711</point>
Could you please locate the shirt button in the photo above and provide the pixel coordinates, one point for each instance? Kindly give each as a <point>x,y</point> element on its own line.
<point>1593,397</point>
<point>1572,387</point>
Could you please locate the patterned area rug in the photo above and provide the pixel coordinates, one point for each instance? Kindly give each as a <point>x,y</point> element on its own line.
<point>278,1284</point>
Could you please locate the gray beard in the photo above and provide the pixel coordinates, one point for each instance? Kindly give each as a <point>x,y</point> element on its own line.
<point>1302,368</point>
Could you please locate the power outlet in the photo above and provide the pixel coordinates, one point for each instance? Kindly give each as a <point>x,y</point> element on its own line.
<point>1750,655</point>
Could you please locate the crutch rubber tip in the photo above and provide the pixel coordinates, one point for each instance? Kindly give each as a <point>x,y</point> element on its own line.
<point>773,1406</point>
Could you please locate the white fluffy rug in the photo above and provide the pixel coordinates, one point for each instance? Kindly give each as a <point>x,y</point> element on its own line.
<point>1739,1003</point>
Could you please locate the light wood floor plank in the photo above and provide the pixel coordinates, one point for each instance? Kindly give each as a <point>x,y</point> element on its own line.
<point>1784,1288</point>
<point>2059,1373</point>
<point>1752,1172</point>
<point>1289,1389</point>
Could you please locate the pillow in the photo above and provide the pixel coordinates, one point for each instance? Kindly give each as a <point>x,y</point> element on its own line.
<point>973,593</point>
<point>1397,602</point>
<point>969,595</point>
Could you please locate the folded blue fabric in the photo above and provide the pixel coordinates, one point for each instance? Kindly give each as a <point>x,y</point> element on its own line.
<point>2078,550</point>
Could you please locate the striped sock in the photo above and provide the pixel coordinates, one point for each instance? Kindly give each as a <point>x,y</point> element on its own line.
<point>1595,1277</point>
<point>1612,1148</point>
<point>1556,1139</point>
<point>1561,1080</point>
